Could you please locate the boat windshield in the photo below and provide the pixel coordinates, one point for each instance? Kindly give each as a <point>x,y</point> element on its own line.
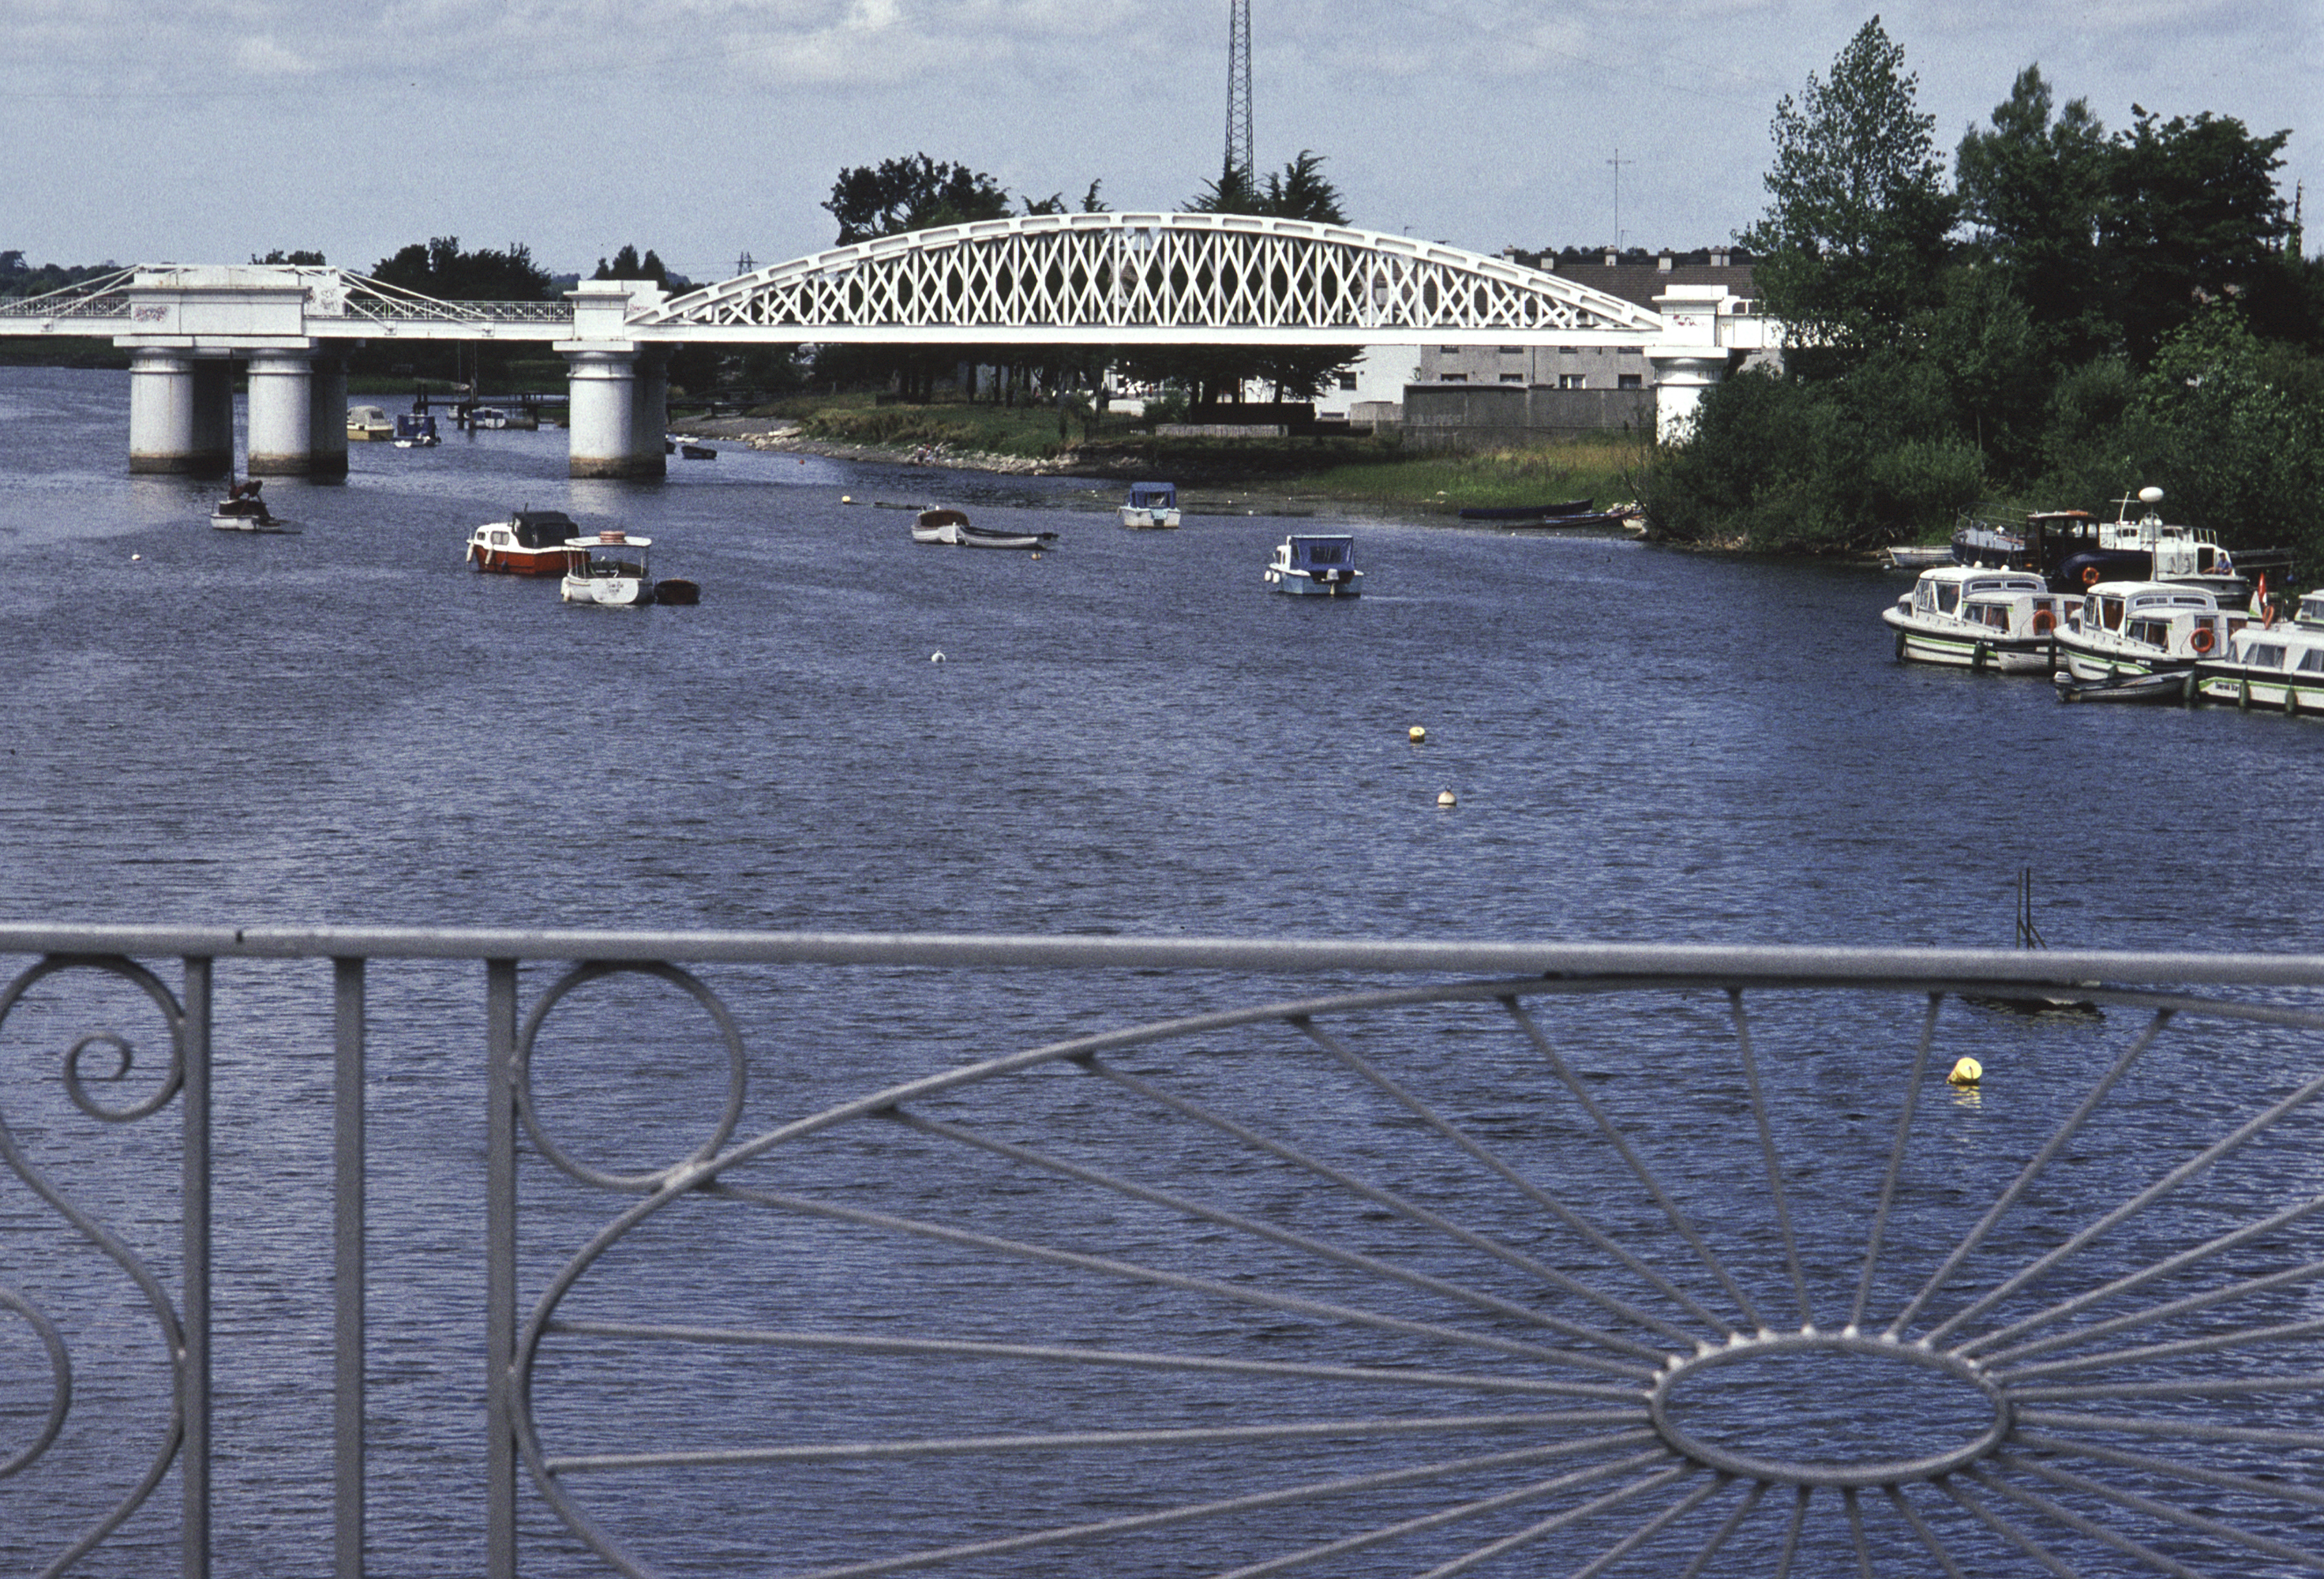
<point>1153,497</point>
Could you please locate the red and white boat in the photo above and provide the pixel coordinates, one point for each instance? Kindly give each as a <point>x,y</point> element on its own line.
<point>529,542</point>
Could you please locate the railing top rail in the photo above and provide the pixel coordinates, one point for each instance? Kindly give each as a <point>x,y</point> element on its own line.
<point>1741,964</point>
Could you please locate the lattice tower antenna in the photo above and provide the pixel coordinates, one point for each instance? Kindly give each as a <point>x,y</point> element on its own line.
<point>1238,142</point>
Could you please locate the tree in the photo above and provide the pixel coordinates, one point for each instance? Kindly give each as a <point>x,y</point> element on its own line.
<point>2034,188</point>
<point>1854,243</point>
<point>2193,215</point>
<point>627,265</point>
<point>441,269</point>
<point>913,193</point>
<point>304,259</point>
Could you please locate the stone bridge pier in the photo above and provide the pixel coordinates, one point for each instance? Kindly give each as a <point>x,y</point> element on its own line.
<point>618,388</point>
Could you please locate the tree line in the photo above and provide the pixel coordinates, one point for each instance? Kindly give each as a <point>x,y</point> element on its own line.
<point>2064,316</point>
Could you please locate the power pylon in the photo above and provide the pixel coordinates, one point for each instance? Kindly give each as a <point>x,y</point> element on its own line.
<point>1239,143</point>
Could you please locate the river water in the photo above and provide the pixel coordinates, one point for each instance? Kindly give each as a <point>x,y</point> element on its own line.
<point>1127,733</point>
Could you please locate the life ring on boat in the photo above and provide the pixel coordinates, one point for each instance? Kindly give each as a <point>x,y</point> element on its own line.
<point>2092,574</point>
<point>2044,622</point>
<point>2201,638</point>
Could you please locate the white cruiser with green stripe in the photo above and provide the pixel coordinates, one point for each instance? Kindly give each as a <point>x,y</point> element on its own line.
<point>2131,629</point>
<point>1974,617</point>
<point>2275,667</point>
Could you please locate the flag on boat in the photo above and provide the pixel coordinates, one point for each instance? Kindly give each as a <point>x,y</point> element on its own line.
<point>2259,600</point>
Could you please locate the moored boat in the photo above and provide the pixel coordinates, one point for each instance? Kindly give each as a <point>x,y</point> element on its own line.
<point>1151,506</point>
<point>242,510</point>
<point>416,431</point>
<point>1970,617</point>
<point>608,570</point>
<point>1521,512</point>
<point>370,425</point>
<point>2279,667</point>
<point>952,526</point>
<point>1315,565</point>
<point>2131,631</point>
<point>529,542</point>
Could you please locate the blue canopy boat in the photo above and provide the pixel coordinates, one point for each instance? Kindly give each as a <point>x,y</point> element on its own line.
<point>1151,505</point>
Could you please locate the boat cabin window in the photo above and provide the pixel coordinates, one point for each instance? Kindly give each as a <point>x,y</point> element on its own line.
<point>2313,660</point>
<point>1322,553</point>
<point>2110,612</point>
<point>2157,632</point>
<point>2265,655</point>
<point>1948,597</point>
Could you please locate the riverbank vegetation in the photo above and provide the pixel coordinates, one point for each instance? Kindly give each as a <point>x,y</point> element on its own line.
<point>2072,316</point>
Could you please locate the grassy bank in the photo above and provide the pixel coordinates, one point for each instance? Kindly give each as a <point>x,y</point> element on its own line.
<point>1361,469</point>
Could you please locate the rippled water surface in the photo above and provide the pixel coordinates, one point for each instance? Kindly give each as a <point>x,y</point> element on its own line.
<point>1127,734</point>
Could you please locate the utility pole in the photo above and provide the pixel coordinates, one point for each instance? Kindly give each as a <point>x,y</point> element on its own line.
<point>1239,156</point>
<point>1618,161</point>
<point>745,263</point>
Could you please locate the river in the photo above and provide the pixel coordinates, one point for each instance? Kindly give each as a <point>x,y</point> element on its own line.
<point>1126,733</point>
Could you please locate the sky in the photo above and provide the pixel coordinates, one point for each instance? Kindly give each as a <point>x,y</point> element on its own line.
<point>207,131</point>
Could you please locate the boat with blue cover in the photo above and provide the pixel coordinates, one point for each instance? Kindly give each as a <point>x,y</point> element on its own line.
<point>1152,506</point>
<point>1315,565</point>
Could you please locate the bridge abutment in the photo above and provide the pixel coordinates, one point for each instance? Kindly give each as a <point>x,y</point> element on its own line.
<point>617,389</point>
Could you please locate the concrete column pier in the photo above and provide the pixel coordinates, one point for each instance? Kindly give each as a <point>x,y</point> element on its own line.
<point>615,400</point>
<point>1687,357</point>
<point>180,414</point>
<point>282,414</point>
<point>326,421</point>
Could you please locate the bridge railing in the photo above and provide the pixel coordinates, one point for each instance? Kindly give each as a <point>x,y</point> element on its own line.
<point>704,1252</point>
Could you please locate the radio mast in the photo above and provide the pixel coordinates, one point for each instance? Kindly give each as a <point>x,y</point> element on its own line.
<point>1238,142</point>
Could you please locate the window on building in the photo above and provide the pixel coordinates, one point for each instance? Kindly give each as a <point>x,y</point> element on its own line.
<point>1512,350</point>
<point>1629,381</point>
<point>1570,380</point>
<point>1453,378</point>
<point>1512,378</point>
<point>1347,380</point>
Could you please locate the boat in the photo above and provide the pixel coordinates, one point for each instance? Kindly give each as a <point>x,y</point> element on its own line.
<point>1151,506</point>
<point>1314,564</point>
<point>608,570</point>
<point>2278,666</point>
<point>950,526</point>
<point>242,510</point>
<point>529,542</point>
<point>416,431</point>
<point>690,450</point>
<point>487,417</point>
<point>1917,556</point>
<point>1525,512</point>
<point>2150,549</point>
<point>1970,617</point>
<point>370,425</point>
<point>2141,630</point>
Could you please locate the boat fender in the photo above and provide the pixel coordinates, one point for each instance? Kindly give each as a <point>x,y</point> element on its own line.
<point>1968,1072</point>
<point>1900,645</point>
<point>1981,655</point>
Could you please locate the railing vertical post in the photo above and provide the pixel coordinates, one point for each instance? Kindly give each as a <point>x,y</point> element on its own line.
<point>347,1267</point>
<point>500,1267</point>
<point>194,1363</point>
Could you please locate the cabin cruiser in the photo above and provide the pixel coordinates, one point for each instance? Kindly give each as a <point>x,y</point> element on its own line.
<point>529,542</point>
<point>1312,566</point>
<point>1151,505</point>
<point>2150,549</point>
<point>370,425</point>
<point>608,570</point>
<point>952,526</point>
<point>416,431</point>
<point>1969,616</point>
<point>2141,637</point>
<point>2273,666</point>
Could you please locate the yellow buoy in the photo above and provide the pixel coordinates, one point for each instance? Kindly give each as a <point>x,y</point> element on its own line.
<point>1968,1072</point>
<point>1446,798</point>
<point>1416,734</point>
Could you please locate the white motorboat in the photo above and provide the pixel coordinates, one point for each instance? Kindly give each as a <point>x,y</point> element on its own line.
<point>2151,548</point>
<point>370,425</point>
<point>1968,616</point>
<point>1151,506</point>
<point>2139,634</point>
<point>952,526</point>
<point>1315,565</point>
<point>2279,667</point>
<point>608,570</point>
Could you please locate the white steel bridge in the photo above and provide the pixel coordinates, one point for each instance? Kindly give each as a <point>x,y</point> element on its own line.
<point>1107,280</point>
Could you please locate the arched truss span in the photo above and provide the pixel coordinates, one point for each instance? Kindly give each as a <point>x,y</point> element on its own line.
<point>1152,279</point>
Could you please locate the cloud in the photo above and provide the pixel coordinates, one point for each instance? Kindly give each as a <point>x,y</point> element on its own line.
<point>263,57</point>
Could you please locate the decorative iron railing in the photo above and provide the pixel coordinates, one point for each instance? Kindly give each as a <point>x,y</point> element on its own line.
<point>853,1255</point>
